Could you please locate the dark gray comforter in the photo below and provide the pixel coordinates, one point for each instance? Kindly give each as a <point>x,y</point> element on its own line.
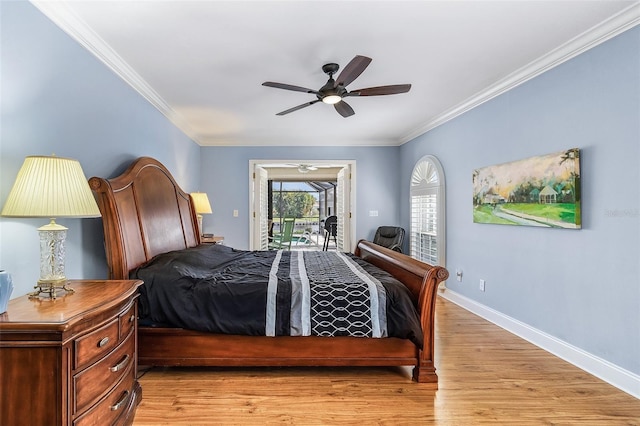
<point>218,289</point>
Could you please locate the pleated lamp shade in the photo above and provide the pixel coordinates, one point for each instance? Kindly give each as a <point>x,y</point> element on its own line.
<point>202,205</point>
<point>50,187</point>
<point>201,202</point>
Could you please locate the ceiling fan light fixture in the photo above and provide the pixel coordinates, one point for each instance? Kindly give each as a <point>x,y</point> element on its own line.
<point>332,99</point>
<point>306,168</point>
<point>335,89</point>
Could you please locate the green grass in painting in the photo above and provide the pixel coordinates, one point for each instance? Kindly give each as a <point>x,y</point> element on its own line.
<point>563,212</point>
<point>484,214</point>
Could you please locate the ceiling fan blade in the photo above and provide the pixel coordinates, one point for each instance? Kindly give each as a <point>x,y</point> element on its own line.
<point>381,90</point>
<point>289,87</point>
<point>344,109</point>
<point>352,70</point>
<point>295,108</point>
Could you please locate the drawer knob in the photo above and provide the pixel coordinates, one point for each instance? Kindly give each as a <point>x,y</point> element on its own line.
<point>103,342</point>
<point>123,399</point>
<point>132,318</point>
<point>119,366</point>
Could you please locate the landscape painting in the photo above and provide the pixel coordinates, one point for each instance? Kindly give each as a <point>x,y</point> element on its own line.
<point>540,191</point>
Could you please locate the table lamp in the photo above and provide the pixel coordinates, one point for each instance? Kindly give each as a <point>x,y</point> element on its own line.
<point>51,187</point>
<point>202,206</point>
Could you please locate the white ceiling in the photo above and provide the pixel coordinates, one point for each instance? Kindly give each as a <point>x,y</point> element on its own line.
<point>202,63</point>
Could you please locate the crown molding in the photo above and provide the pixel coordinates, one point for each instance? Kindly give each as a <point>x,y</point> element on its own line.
<point>615,25</point>
<point>64,17</point>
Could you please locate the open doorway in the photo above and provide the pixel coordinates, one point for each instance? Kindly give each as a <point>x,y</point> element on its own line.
<point>310,202</point>
<point>329,182</point>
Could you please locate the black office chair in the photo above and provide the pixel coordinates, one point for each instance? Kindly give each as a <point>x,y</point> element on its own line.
<point>390,237</point>
<point>330,230</point>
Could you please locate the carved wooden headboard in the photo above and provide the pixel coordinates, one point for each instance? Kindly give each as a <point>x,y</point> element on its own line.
<point>144,213</point>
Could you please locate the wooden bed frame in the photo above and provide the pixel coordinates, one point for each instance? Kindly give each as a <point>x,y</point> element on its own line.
<point>145,213</point>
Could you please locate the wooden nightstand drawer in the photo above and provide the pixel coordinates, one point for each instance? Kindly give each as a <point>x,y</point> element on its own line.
<point>112,405</point>
<point>97,343</point>
<point>127,321</point>
<point>92,383</point>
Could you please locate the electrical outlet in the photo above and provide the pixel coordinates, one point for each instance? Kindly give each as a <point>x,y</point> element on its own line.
<point>459,274</point>
<point>235,213</point>
<point>482,282</point>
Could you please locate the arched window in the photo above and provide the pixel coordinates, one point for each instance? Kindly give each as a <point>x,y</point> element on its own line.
<point>427,211</point>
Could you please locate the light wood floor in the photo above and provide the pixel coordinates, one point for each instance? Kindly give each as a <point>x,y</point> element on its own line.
<point>487,376</point>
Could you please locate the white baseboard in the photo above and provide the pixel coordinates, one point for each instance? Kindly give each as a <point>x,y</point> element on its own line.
<point>622,379</point>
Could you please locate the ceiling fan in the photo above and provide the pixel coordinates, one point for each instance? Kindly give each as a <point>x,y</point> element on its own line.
<point>306,168</point>
<point>334,91</point>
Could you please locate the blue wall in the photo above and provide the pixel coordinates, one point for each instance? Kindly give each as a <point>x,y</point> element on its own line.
<point>581,286</point>
<point>225,178</point>
<point>58,98</point>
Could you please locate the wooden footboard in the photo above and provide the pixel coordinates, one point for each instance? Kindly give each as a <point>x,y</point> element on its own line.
<point>423,281</point>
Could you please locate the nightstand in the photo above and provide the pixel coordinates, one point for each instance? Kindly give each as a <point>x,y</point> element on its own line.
<point>71,360</point>
<point>216,239</point>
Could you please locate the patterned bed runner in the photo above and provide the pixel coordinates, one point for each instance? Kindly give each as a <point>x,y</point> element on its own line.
<point>331,295</point>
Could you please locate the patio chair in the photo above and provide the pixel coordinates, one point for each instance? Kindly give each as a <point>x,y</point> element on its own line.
<point>305,239</point>
<point>330,230</point>
<point>282,241</point>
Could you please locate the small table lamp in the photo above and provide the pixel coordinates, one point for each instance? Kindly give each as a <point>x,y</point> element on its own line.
<point>51,187</point>
<point>202,206</point>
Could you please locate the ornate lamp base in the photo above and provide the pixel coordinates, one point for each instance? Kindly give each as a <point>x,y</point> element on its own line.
<point>52,277</point>
<point>50,289</point>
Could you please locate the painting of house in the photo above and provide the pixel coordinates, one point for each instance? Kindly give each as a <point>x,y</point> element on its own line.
<point>539,191</point>
<point>547,195</point>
